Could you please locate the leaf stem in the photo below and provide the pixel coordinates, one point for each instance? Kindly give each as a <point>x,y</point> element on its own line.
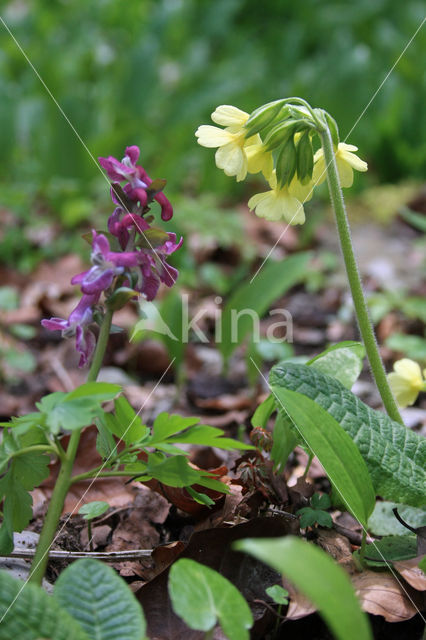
<point>363,546</point>
<point>63,482</point>
<point>358,297</point>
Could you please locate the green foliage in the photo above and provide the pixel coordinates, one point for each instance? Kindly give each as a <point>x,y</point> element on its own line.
<point>395,456</point>
<point>105,607</point>
<point>94,509</point>
<point>316,513</point>
<point>383,522</point>
<point>343,361</point>
<point>390,549</point>
<point>203,598</point>
<point>24,473</point>
<point>28,613</point>
<point>319,578</point>
<point>411,346</point>
<point>90,601</point>
<point>278,594</point>
<point>256,296</point>
<point>333,447</point>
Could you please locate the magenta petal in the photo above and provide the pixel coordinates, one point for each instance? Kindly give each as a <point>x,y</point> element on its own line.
<point>85,342</point>
<point>100,243</point>
<point>169,275</point>
<point>150,287</point>
<point>166,207</point>
<point>78,279</point>
<point>133,153</point>
<point>55,324</point>
<point>97,280</point>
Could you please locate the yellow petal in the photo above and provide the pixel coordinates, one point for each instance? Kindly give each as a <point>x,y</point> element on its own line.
<point>292,209</point>
<point>256,199</point>
<point>353,160</point>
<point>232,159</point>
<point>259,159</point>
<point>319,173</point>
<point>346,147</point>
<point>303,192</point>
<point>209,136</point>
<point>269,207</point>
<point>410,371</point>
<point>228,116</point>
<point>405,394</point>
<point>318,154</point>
<point>346,173</point>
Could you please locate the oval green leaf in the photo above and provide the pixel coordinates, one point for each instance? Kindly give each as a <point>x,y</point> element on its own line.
<point>202,597</point>
<point>336,451</point>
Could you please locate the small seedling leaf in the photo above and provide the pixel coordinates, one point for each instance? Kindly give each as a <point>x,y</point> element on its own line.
<point>94,509</point>
<point>202,598</point>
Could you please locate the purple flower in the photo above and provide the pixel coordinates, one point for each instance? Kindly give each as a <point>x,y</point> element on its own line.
<point>106,265</point>
<point>77,325</point>
<point>124,170</point>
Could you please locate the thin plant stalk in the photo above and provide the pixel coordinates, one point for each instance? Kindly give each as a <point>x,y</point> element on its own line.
<point>360,304</point>
<point>63,482</point>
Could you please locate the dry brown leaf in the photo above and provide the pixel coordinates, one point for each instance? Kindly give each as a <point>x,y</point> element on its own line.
<point>412,573</point>
<point>382,595</point>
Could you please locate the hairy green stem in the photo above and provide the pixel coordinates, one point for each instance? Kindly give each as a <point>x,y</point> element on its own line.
<point>358,297</point>
<point>63,482</point>
<point>101,474</point>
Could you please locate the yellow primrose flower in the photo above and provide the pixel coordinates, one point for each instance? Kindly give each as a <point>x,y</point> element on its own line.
<point>346,162</point>
<point>406,381</point>
<point>282,202</point>
<point>230,155</point>
<point>259,159</point>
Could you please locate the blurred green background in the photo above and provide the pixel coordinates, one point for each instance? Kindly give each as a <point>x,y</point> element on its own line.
<point>148,72</point>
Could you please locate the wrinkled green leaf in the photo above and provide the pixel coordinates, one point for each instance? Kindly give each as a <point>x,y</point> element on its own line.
<point>202,598</point>
<point>395,456</point>
<point>34,615</point>
<point>100,601</point>
<point>343,361</point>
<point>319,578</point>
<point>334,448</point>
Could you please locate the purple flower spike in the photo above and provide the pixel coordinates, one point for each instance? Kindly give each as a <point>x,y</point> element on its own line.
<point>124,170</point>
<point>77,325</point>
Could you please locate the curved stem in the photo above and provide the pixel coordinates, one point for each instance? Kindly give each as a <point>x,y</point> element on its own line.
<point>102,474</point>
<point>63,482</point>
<point>358,297</point>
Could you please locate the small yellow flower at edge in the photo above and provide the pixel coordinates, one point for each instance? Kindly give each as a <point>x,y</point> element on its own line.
<point>282,202</point>
<point>230,155</point>
<point>406,381</point>
<point>346,162</point>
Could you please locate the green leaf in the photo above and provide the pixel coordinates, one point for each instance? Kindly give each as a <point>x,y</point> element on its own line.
<point>278,594</point>
<point>390,549</point>
<point>202,434</point>
<point>24,473</point>
<point>422,564</point>
<point>9,298</point>
<point>319,578</point>
<point>166,425</point>
<point>309,517</point>
<point>202,597</point>
<point>99,392</point>
<point>395,456</point>
<point>94,509</point>
<point>28,613</point>
<point>174,471</point>
<point>319,501</point>
<point>128,425</point>
<point>253,299</point>
<point>343,361</point>
<point>100,601</point>
<point>412,346</point>
<point>263,412</point>
<point>284,439</point>
<point>382,521</point>
<point>334,449</point>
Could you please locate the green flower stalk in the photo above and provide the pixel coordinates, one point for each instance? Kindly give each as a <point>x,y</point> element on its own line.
<point>280,136</point>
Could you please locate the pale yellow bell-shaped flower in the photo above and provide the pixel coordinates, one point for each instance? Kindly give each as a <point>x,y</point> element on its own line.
<point>406,381</point>
<point>346,162</point>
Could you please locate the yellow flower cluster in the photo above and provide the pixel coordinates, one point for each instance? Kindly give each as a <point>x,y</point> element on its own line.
<point>238,154</point>
<point>406,381</point>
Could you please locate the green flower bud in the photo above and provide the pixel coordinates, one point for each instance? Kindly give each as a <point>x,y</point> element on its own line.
<point>262,116</point>
<point>305,158</point>
<point>120,297</point>
<point>286,163</point>
<point>280,134</point>
<point>334,130</point>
